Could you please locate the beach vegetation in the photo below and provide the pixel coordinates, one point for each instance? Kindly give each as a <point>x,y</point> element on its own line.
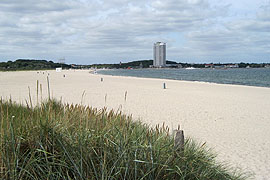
<point>65,141</point>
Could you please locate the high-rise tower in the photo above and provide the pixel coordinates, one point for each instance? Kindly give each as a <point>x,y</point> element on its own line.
<point>159,51</point>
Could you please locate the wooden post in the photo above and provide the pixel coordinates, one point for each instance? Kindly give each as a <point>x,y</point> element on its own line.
<point>101,79</point>
<point>48,82</point>
<point>179,140</point>
<point>164,85</point>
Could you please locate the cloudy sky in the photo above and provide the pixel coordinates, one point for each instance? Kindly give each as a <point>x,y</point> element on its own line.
<point>109,31</point>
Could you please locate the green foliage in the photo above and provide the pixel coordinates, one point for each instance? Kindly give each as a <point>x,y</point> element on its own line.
<point>133,64</point>
<point>55,141</point>
<point>252,65</point>
<point>25,64</point>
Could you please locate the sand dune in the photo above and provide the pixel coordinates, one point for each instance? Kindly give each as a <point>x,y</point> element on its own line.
<point>232,119</point>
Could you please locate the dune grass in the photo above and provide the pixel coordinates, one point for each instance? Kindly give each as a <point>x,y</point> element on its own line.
<point>63,141</point>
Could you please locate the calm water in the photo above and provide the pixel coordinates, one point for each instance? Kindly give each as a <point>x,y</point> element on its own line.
<point>250,77</point>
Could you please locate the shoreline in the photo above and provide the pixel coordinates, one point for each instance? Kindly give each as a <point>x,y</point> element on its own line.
<point>186,81</point>
<point>181,79</point>
<point>231,119</point>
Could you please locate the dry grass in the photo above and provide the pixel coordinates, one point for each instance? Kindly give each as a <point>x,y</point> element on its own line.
<point>56,141</point>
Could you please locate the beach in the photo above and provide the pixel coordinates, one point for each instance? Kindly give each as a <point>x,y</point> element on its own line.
<point>234,120</point>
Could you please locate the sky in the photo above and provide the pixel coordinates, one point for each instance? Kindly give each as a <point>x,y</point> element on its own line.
<point>110,31</point>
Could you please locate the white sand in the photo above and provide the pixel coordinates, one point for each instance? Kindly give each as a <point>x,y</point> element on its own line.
<point>232,119</point>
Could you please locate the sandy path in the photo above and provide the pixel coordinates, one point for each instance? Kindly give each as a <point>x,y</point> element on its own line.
<point>233,119</point>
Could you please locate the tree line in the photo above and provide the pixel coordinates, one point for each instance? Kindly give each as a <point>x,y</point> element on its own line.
<point>30,64</point>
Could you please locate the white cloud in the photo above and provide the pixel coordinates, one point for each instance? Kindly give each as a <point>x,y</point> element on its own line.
<point>95,31</point>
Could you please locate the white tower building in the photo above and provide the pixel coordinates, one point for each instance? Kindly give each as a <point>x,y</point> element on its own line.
<point>159,50</point>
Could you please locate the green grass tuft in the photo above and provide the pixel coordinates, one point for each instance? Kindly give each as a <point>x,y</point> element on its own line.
<point>56,141</point>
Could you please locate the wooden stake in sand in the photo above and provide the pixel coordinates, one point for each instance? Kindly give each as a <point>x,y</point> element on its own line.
<point>164,85</point>
<point>179,140</point>
<point>48,82</point>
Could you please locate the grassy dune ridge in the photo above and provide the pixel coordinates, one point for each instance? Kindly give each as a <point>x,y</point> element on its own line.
<point>66,141</point>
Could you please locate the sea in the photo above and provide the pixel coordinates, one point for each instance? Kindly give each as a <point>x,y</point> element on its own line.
<point>240,76</point>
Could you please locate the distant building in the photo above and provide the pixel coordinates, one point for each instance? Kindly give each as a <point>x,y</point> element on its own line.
<point>232,66</point>
<point>159,51</point>
<point>58,69</point>
<point>209,65</point>
<point>141,65</point>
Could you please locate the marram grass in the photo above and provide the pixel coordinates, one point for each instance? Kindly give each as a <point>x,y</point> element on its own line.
<point>56,141</point>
